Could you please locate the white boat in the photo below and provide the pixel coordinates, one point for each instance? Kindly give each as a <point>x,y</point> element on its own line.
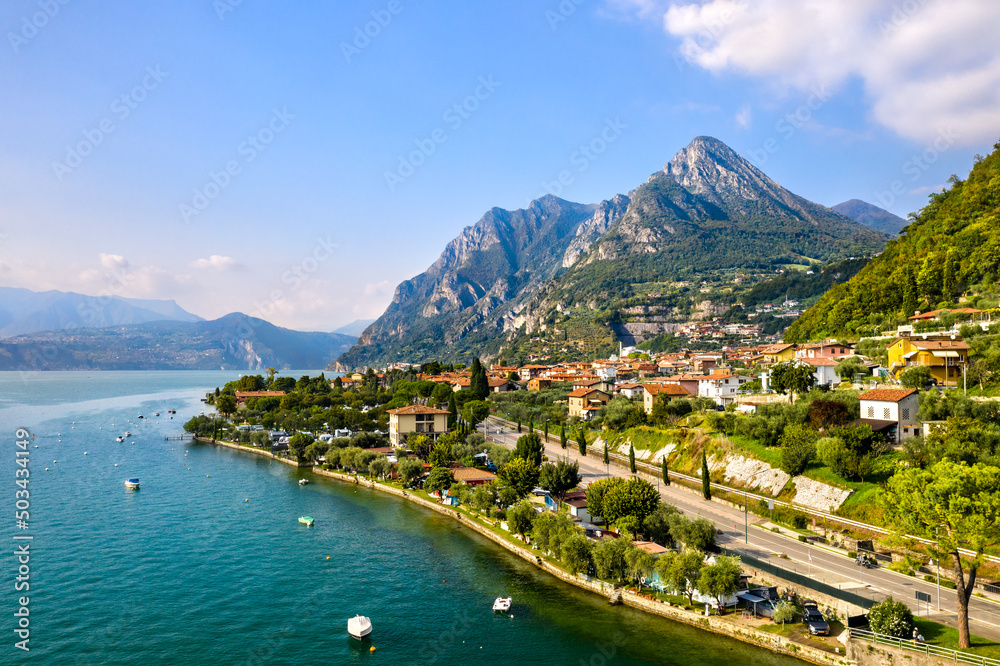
<point>502,605</point>
<point>303,482</point>
<point>119,439</point>
<point>156,414</point>
<point>132,484</point>
<point>128,434</point>
<point>359,626</point>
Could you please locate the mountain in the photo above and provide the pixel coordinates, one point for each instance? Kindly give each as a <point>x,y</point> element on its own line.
<point>355,328</point>
<point>23,311</point>
<point>949,251</point>
<point>582,270</point>
<point>233,342</point>
<point>872,216</point>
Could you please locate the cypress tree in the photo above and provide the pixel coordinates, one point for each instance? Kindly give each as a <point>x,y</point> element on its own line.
<point>519,425</point>
<point>452,410</point>
<point>631,459</point>
<point>531,425</point>
<point>581,438</point>
<point>546,432</point>
<point>706,481</point>
<point>562,437</point>
<point>607,460</point>
<point>666,476</point>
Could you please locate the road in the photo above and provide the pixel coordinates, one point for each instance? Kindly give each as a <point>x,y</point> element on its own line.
<point>815,562</point>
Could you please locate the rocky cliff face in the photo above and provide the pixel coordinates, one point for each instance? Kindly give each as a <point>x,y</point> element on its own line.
<point>707,209</point>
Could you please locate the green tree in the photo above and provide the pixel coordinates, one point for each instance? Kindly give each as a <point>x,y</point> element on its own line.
<point>663,470</point>
<point>720,579</point>
<point>440,478</point>
<point>631,458</point>
<point>636,497</point>
<point>521,517</point>
<point>697,535</point>
<point>529,447</point>
<point>562,437</point>
<point>441,455</point>
<point>560,477</point>
<point>892,618</point>
<point>798,448</point>
<point>409,470</point>
<point>479,383</point>
<point>639,564</point>
<point>581,440</point>
<point>484,497</point>
<point>609,558</point>
<point>792,377</point>
<point>957,504</point>
<point>297,445</point>
<point>452,410</point>
<point>520,475</point>
<point>916,377</point>
<point>706,479</point>
<point>784,611</point>
<point>380,467</point>
<point>680,572</point>
<point>850,366</point>
<point>226,404</point>
<point>475,411</point>
<point>597,491</point>
<point>576,554</point>
<point>656,525</point>
<point>607,459</point>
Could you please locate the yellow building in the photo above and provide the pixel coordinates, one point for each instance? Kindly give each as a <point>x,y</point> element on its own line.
<point>778,353</point>
<point>945,356</point>
<point>419,419</point>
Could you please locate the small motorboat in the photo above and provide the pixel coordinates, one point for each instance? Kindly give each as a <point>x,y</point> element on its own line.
<point>132,484</point>
<point>128,434</point>
<point>156,414</point>
<point>303,482</point>
<point>502,605</point>
<point>306,520</point>
<point>359,626</point>
<point>141,416</point>
<point>119,439</point>
<point>171,411</point>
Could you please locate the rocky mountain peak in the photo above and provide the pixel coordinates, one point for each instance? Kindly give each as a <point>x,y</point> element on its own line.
<point>709,168</point>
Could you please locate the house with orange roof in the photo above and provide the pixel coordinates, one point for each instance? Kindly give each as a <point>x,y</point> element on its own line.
<point>654,393</point>
<point>892,412</point>
<point>584,402</point>
<point>419,419</point>
<point>946,356</point>
<point>722,387</point>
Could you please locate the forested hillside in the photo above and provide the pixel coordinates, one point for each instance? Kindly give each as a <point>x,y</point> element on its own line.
<point>950,249</point>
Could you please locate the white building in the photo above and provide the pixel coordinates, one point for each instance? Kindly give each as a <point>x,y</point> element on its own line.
<point>892,411</point>
<point>722,387</point>
<point>823,370</point>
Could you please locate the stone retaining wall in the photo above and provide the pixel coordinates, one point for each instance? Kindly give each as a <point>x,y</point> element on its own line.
<point>250,449</point>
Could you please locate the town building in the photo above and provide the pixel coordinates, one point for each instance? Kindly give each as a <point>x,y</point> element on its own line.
<point>584,402</point>
<point>419,419</point>
<point>721,387</point>
<point>654,393</point>
<point>892,412</point>
<point>946,357</point>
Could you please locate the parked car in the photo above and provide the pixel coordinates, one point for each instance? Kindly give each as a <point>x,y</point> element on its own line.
<point>814,619</point>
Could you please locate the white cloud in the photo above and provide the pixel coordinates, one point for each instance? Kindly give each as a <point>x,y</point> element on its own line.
<point>113,262</point>
<point>926,65</point>
<point>744,117</point>
<point>217,262</point>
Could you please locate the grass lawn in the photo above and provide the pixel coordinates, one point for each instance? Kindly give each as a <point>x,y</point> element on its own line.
<point>947,637</point>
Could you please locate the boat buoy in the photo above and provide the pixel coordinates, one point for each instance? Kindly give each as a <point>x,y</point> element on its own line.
<point>371,649</point>
<point>116,464</point>
<point>206,476</point>
<point>84,453</point>
<point>327,557</point>
<point>46,469</point>
<point>247,499</point>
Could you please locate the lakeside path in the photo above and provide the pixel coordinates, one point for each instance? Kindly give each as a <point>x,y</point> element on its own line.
<point>727,625</point>
<point>817,563</point>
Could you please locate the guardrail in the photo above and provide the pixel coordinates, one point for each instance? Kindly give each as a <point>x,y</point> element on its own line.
<point>907,644</point>
<point>655,471</point>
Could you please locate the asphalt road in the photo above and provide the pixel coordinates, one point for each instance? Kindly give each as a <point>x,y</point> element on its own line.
<point>815,562</point>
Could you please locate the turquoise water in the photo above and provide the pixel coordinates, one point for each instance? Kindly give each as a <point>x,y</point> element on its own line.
<point>187,571</point>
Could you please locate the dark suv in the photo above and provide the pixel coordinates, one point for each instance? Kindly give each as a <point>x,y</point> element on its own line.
<point>814,619</point>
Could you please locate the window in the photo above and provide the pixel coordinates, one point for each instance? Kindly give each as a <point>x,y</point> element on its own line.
<point>871,412</point>
<point>886,414</point>
<point>906,413</point>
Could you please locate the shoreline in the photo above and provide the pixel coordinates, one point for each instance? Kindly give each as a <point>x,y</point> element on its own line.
<point>713,623</point>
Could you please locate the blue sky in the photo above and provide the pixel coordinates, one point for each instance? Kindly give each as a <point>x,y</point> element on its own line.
<point>274,159</point>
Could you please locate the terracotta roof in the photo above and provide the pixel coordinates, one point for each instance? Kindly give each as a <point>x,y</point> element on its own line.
<point>417,409</point>
<point>498,382</point>
<point>939,344</point>
<point>819,360</point>
<point>472,474</point>
<point>886,395</point>
<point>582,392</point>
<point>669,389</point>
<point>649,547</point>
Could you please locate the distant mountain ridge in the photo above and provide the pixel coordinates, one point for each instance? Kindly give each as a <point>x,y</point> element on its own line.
<point>355,328</point>
<point>511,272</point>
<point>233,342</point>
<point>872,216</point>
<point>23,311</point>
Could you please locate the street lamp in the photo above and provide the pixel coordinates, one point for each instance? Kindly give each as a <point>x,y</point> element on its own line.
<point>746,506</point>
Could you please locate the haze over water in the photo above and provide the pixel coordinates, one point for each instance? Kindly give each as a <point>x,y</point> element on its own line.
<point>186,571</point>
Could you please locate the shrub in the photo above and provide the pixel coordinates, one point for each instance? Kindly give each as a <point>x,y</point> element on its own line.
<point>891,618</point>
<point>800,521</point>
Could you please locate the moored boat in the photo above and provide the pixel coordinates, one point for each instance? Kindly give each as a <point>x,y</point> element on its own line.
<point>359,626</point>
<point>132,484</point>
<point>306,520</point>
<point>303,482</point>
<point>502,605</point>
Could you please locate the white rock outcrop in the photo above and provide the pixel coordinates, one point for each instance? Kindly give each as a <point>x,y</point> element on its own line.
<point>817,495</point>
